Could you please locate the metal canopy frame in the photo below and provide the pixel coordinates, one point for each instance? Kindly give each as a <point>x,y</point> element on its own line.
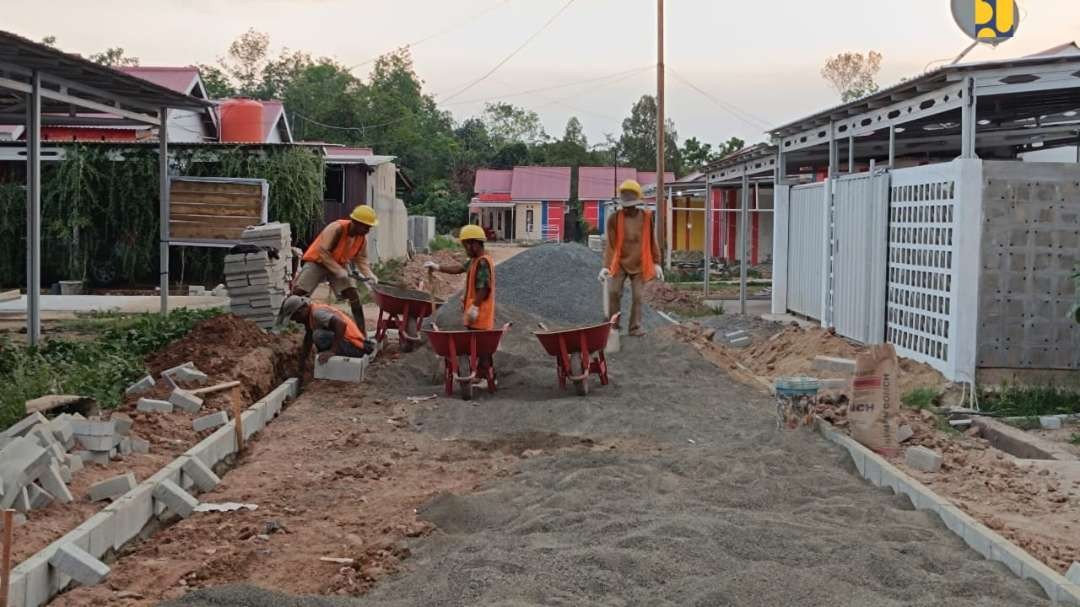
<point>37,80</point>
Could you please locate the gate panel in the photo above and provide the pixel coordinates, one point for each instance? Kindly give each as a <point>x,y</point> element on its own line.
<point>805,251</point>
<point>859,248</point>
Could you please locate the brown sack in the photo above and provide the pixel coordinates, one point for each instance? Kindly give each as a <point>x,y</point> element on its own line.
<point>875,403</point>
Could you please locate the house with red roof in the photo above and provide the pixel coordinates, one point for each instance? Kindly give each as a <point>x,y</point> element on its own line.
<point>597,190</point>
<point>526,203</point>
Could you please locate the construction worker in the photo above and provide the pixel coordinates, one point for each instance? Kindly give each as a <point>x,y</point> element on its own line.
<point>478,304</point>
<point>631,252</point>
<point>340,243</point>
<point>327,328</point>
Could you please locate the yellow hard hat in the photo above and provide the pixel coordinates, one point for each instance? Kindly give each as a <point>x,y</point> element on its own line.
<point>631,186</point>
<point>472,233</point>
<point>365,215</point>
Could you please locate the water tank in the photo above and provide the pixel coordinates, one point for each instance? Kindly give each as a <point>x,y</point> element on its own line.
<point>242,120</point>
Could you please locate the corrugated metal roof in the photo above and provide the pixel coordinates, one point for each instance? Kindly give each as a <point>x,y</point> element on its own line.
<point>541,183</point>
<point>490,181</point>
<point>649,177</point>
<point>179,79</point>
<point>349,152</point>
<point>599,183</point>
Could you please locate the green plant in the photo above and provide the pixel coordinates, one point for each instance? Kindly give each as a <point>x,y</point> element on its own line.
<point>921,398</point>
<point>1032,401</point>
<point>1025,423</point>
<point>444,243</point>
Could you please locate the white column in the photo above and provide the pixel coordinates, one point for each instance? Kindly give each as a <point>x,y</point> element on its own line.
<point>967,242</point>
<point>781,209</point>
<point>968,123</point>
<point>33,212</point>
<point>708,233</point>
<point>744,240</point>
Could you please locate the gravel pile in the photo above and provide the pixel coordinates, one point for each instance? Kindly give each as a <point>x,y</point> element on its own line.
<point>554,282</point>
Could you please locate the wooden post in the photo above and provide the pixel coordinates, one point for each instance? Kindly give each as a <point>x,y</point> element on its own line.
<point>662,217</point>
<point>238,411</point>
<point>5,572</point>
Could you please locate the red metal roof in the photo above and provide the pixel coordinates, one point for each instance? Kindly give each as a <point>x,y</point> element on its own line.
<point>541,184</point>
<point>179,79</point>
<point>649,178</point>
<point>599,183</point>
<point>493,181</point>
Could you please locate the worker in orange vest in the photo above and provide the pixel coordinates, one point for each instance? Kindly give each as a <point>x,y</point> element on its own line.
<point>631,252</point>
<point>327,258</point>
<point>327,328</point>
<point>478,304</point>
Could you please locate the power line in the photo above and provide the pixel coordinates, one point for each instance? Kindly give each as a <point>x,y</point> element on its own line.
<point>441,32</point>
<point>630,72</point>
<point>738,113</point>
<point>506,59</point>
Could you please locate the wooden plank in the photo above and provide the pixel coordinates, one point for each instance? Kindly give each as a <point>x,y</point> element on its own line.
<point>209,187</point>
<point>226,199</point>
<point>214,220</point>
<point>214,210</point>
<point>181,229</point>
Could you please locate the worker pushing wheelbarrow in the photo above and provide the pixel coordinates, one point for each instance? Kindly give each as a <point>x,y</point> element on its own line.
<point>579,352</point>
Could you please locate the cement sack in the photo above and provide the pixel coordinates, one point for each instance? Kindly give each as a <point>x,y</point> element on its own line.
<point>875,402</point>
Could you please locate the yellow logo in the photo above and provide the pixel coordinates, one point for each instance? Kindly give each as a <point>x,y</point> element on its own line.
<point>990,21</point>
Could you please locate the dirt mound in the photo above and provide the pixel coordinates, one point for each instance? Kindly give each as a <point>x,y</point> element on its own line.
<point>212,345</point>
<point>414,276</point>
<point>662,295</point>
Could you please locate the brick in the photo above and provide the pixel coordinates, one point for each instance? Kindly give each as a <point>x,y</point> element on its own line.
<point>52,481</point>
<point>923,459</point>
<point>74,462</point>
<point>830,363</point>
<point>1051,422</point>
<point>24,426</point>
<point>140,445</point>
<point>122,424</point>
<point>178,501</point>
<point>21,460</point>
<point>185,400</point>
<point>148,405</point>
<point>37,497</point>
<point>341,368</point>
<point>142,386</point>
<point>200,473</point>
<point>112,488</point>
<point>79,565</point>
<point>211,421</point>
<point>190,375</point>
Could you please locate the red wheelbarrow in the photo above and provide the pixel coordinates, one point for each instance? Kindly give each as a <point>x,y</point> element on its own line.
<point>403,310</point>
<point>471,344</point>
<point>580,349</point>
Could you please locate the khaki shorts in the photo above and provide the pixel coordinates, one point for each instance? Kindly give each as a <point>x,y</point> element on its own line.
<point>312,275</point>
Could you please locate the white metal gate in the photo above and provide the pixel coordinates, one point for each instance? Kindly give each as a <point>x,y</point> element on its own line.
<point>857,288</point>
<point>807,238</point>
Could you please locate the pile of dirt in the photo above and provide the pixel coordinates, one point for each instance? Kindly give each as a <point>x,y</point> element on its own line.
<point>415,276</point>
<point>664,296</point>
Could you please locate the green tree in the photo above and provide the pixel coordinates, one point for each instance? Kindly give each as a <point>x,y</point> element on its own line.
<point>114,57</point>
<point>575,133</point>
<point>216,82</point>
<point>852,74</point>
<point>49,41</point>
<point>637,146</point>
<point>245,62</point>
<point>508,123</point>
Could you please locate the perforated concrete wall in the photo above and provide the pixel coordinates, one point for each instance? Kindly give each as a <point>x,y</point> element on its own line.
<point>1030,245</point>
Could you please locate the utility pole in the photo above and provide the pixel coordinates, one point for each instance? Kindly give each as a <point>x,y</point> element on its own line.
<point>660,197</point>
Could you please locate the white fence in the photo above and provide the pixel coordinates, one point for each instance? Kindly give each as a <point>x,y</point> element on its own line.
<point>856,300</point>
<point>807,243</point>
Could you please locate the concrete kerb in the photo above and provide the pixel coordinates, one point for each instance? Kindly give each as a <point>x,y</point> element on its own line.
<point>881,473</point>
<point>34,581</point>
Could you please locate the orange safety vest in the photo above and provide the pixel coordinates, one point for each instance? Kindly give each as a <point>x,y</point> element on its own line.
<point>354,334</point>
<point>485,321</point>
<point>344,251</point>
<point>648,266</point>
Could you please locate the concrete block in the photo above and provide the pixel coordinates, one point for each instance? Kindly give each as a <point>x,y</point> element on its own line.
<point>190,375</point>
<point>341,368</point>
<point>22,500</point>
<point>61,429</point>
<point>201,474</point>
<point>740,342</point>
<point>132,512</point>
<point>122,424</point>
<point>16,590</point>
<point>37,497</point>
<point>149,405</point>
<point>20,428</point>
<point>52,481</point>
<point>74,462</point>
<point>112,488</point>
<point>65,473</point>
<point>141,387</point>
<point>97,443</point>
<point>904,433</point>
<point>35,573</point>
<point>292,387</point>
<point>216,447</point>
<point>79,564</point>
<point>207,422</point>
<point>100,458</point>
<point>830,363</point>
<point>177,500</point>
<point>168,372</point>
<point>124,446</point>
<point>18,520</point>
<point>43,435</point>
<point>1073,575</point>
<point>253,423</point>
<point>1051,422</point>
<point>93,427</point>
<point>139,445</point>
<point>921,458</point>
<point>185,401</point>
<point>21,461</point>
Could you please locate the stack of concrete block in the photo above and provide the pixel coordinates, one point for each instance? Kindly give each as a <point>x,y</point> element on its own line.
<point>421,232</point>
<point>276,236</point>
<point>35,466</point>
<point>256,285</point>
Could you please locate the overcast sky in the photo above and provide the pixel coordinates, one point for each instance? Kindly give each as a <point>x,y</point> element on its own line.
<point>761,57</point>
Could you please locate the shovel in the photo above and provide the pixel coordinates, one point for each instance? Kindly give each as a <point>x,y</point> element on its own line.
<point>613,344</point>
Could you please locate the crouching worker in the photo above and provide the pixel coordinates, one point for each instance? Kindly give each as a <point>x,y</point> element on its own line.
<point>478,304</point>
<point>330,330</point>
<point>340,243</point>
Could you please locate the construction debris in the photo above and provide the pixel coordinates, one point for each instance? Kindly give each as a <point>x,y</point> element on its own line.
<point>178,501</point>
<point>142,386</point>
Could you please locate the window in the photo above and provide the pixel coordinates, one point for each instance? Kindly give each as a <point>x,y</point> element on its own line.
<point>529,221</point>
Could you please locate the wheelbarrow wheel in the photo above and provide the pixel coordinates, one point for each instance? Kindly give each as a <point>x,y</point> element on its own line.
<point>581,386</point>
<point>465,370</point>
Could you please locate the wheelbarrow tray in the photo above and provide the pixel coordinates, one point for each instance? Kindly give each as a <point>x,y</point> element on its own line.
<point>399,307</point>
<point>471,344</point>
<point>596,337</point>
<point>580,343</point>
